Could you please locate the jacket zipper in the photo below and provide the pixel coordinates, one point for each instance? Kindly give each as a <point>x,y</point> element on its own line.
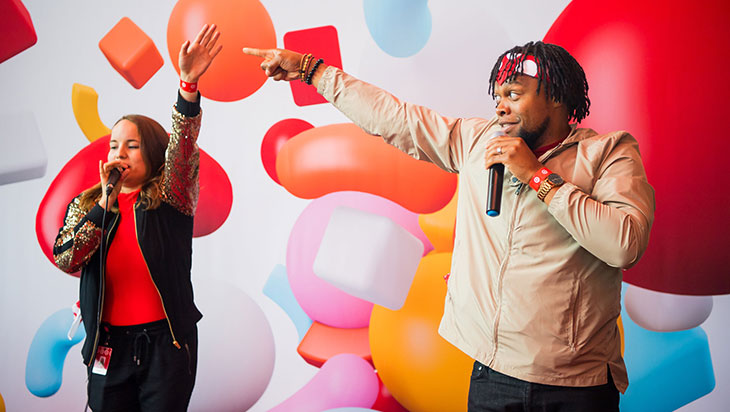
<point>502,269</point>
<point>102,279</point>
<point>162,301</point>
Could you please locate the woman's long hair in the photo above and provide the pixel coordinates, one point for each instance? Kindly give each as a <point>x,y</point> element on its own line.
<point>153,143</point>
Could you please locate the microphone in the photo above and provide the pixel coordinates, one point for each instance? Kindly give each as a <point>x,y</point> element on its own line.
<point>494,184</point>
<point>114,176</point>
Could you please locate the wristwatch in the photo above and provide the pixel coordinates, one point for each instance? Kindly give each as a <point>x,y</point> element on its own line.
<point>553,180</point>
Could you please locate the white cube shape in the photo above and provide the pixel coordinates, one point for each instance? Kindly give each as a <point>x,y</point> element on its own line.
<point>368,256</point>
<point>23,156</point>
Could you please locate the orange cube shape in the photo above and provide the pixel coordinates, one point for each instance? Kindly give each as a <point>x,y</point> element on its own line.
<point>131,52</point>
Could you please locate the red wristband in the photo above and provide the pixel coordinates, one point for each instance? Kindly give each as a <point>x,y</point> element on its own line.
<point>188,87</point>
<point>539,177</point>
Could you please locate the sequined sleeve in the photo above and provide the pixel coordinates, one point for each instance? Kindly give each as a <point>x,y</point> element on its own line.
<point>182,162</point>
<point>77,240</point>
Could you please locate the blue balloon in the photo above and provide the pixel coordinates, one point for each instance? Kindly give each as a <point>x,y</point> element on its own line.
<point>666,369</point>
<point>47,353</point>
<point>399,27</point>
<point>278,289</point>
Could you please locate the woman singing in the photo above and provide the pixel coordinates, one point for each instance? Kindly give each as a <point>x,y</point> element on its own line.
<point>132,241</point>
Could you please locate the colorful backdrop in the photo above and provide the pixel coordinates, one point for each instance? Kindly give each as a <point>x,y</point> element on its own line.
<point>305,310</point>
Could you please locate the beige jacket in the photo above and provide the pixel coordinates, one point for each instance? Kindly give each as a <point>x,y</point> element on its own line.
<point>535,292</point>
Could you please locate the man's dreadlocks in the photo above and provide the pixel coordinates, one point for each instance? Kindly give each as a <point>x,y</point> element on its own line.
<point>564,79</point>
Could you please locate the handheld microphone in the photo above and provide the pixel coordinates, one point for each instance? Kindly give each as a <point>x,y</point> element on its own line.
<point>114,176</point>
<point>494,184</point>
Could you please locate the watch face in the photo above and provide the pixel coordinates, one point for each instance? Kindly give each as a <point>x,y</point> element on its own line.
<point>555,179</point>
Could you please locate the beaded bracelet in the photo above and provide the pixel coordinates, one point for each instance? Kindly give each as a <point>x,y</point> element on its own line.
<point>303,67</point>
<point>538,178</point>
<point>188,87</point>
<point>311,72</point>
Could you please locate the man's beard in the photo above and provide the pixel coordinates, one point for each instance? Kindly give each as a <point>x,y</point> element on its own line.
<point>531,136</point>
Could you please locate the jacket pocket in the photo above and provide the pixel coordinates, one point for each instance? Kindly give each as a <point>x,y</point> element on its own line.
<point>574,317</point>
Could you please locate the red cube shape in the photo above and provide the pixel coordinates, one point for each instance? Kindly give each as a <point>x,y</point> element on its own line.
<point>16,29</point>
<point>131,52</point>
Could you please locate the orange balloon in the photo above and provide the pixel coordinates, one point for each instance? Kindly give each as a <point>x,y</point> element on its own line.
<point>242,23</point>
<point>342,157</point>
<point>421,370</point>
<point>439,226</point>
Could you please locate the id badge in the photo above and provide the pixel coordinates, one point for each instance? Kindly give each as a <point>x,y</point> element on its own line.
<point>101,361</point>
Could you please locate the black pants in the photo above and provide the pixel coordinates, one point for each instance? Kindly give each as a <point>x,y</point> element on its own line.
<point>146,371</point>
<point>493,391</point>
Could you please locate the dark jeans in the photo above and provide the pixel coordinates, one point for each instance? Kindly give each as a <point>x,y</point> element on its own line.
<point>146,371</point>
<point>494,391</point>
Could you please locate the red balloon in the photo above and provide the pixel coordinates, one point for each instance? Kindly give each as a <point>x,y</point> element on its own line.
<point>385,401</point>
<point>82,172</point>
<point>242,23</point>
<point>274,139</point>
<point>658,72</point>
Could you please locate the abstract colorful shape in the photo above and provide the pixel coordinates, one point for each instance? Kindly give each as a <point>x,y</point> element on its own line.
<point>277,288</point>
<point>236,348</point>
<point>82,172</point>
<point>666,312</point>
<point>322,342</point>
<point>17,30</point>
<point>343,157</point>
<point>368,256</point>
<point>131,52</point>
<point>23,156</point>
<point>274,139</point>
<point>399,27</point>
<point>322,43</point>
<point>422,370</point>
<point>321,301</point>
<point>84,101</point>
<point>242,23</point>
<point>386,402</point>
<point>439,226</point>
<point>47,353</point>
<point>345,380</point>
<point>666,369</point>
<point>624,47</point>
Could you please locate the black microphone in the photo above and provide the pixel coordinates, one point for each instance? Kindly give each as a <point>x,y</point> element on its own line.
<point>494,183</point>
<point>114,176</point>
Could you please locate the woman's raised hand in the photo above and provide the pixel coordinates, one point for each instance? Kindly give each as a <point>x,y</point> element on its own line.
<point>195,57</point>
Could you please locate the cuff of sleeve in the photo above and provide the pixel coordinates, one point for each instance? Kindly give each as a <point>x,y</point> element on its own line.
<point>96,214</point>
<point>186,108</point>
<point>326,81</point>
<point>560,199</point>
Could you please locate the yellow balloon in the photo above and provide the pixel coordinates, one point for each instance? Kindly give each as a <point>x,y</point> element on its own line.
<point>2,404</point>
<point>621,333</point>
<point>422,371</point>
<point>439,226</point>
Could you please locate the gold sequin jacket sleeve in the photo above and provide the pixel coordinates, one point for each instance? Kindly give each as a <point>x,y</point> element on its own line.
<point>182,162</point>
<point>79,237</point>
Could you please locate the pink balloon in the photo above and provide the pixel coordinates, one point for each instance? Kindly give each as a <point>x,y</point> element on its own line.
<point>274,139</point>
<point>319,299</point>
<point>345,380</point>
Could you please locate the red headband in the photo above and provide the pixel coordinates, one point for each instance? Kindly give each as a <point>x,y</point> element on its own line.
<point>509,63</point>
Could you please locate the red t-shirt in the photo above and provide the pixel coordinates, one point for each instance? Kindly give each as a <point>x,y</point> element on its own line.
<point>130,295</point>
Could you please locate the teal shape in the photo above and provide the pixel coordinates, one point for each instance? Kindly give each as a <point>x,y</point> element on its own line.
<point>47,353</point>
<point>399,27</point>
<point>667,370</point>
<point>277,288</point>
